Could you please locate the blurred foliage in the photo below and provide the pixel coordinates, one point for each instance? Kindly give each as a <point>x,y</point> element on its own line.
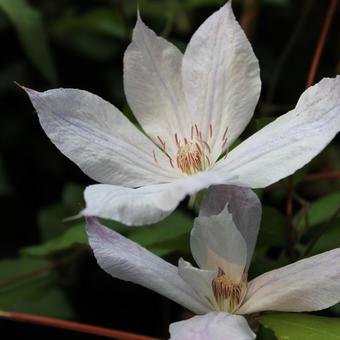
<point>298,326</point>
<point>29,285</point>
<point>163,238</point>
<point>29,26</point>
<point>45,265</point>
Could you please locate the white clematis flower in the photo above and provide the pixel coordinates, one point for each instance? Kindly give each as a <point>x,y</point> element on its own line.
<point>222,243</point>
<point>192,107</point>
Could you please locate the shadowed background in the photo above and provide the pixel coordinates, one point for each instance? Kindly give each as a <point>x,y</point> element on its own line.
<point>46,267</point>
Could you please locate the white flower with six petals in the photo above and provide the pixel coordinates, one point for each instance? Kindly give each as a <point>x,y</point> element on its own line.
<point>192,107</point>
<point>222,243</point>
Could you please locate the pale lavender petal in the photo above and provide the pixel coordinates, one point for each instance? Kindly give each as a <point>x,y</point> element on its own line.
<point>221,79</point>
<point>145,205</point>
<point>212,326</point>
<point>99,138</point>
<point>153,87</point>
<point>290,142</point>
<point>307,285</point>
<point>244,206</point>
<point>216,244</point>
<point>126,260</point>
<point>200,281</point>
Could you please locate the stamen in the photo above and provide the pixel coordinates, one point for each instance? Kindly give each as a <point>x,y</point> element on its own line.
<point>228,293</point>
<point>191,158</point>
<point>192,153</point>
<point>162,143</point>
<point>198,148</point>
<point>225,134</point>
<point>197,132</point>
<point>206,145</point>
<point>154,156</point>
<point>177,141</point>
<point>224,143</point>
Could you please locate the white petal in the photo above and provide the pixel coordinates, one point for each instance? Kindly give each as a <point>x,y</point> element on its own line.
<point>216,243</point>
<point>307,285</point>
<point>244,206</point>
<point>126,260</point>
<point>200,281</point>
<point>99,138</point>
<point>291,141</point>
<point>153,86</point>
<point>144,205</point>
<point>221,78</point>
<point>212,326</point>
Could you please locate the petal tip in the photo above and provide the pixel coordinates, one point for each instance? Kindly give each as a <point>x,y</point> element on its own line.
<point>30,92</point>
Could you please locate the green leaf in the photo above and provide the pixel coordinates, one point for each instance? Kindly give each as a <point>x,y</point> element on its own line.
<point>23,280</point>
<point>51,220</point>
<point>174,226</point>
<point>299,326</point>
<point>75,235</point>
<point>273,228</point>
<point>73,196</point>
<point>265,334</point>
<point>262,122</point>
<point>98,21</point>
<point>54,303</point>
<point>329,239</point>
<point>163,238</point>
<point>31,32</point>
<point>261,263</point>
<point>29,286</point>
<point>179,244</point>
<point>319,211</point>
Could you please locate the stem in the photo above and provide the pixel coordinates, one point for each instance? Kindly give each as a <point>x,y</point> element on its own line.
<point>73,326</point>
<point>303,212</point>
<point>321,42</point>
<point>192,200</point>
<point>248,17</point>
<point>322,175</point>
<point>310,81</point>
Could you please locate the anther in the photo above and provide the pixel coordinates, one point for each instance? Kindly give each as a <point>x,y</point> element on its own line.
<point>228,293</point>
<point>225,134</point>
<point>154,156</point>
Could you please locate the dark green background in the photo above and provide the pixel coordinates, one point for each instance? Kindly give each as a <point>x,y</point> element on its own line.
<point>80,44</point>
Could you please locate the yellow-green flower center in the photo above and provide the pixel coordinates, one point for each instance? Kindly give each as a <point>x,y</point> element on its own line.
<point>192,158</point>
<point>228,293</point>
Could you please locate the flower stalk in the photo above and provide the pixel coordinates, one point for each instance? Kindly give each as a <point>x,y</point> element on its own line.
<point>310,82</point>
<point>72,326</point>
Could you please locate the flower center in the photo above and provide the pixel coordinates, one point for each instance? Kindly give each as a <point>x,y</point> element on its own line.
<point>193,152</point>
<point>191,158</point>
<point>228,293</point>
